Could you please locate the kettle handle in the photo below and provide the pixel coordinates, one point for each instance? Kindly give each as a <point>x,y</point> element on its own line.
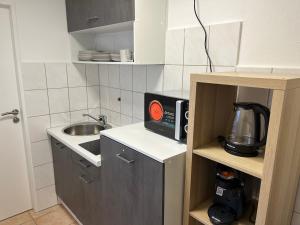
<point>265,112</point>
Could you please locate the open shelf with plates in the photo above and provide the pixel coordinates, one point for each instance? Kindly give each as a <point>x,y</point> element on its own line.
<point>276,169</point>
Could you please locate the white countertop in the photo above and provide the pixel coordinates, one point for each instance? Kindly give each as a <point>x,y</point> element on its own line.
<point>147,142</point>
<point>73,142</point>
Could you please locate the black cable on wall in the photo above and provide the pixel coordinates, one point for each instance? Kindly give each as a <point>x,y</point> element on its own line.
<point>205,38</point>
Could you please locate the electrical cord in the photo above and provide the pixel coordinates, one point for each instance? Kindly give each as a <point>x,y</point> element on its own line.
<point>205,38</point>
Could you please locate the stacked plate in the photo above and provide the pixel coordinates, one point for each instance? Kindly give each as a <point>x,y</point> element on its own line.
<point>115,57</point>
<point>101,56</point>
<point>86,55</point>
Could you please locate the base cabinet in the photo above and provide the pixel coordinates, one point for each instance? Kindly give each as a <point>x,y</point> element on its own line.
<point>77,183</point>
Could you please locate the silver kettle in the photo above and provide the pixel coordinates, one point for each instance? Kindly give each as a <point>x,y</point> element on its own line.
<point>248,133</point>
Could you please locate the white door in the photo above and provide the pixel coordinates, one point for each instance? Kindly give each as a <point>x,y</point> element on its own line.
<point>14,182</point>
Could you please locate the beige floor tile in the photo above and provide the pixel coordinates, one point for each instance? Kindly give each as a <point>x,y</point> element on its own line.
<point>17,220</point>
<point>44,212</point>
<point>57,217</point>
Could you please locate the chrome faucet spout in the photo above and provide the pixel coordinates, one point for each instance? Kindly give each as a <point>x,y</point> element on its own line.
<point>88,115</point>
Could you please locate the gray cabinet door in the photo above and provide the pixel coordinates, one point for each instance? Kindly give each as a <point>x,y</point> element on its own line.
<point>96,17</point>
<point>132,186</point>
<point>78,14</point>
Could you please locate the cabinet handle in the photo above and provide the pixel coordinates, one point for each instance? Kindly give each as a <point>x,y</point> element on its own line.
<point>84,180</point>
<point>124,160</point>
<point>92,19</point>
<point>81,163</point>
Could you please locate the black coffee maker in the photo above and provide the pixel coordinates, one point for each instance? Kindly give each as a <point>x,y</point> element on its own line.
<point>248,132</point>
<point>229,199</point>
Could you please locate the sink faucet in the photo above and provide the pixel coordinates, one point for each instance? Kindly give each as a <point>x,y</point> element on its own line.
<point>102,119</point>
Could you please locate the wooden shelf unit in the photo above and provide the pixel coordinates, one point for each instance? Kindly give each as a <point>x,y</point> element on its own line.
<point>211,107</point>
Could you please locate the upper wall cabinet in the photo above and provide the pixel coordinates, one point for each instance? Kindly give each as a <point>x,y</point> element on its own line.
<point>112,25</point>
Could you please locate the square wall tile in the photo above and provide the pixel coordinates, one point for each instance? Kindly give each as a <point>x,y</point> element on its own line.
<point>115,118</point>
<point>36,102</point>
<point>76,75</point>
<point>249,69</point>
<point>58,100</point>
<point>46,197</point>
<point>92,74</point>
<point>34,76</point>
<point>224,43</point>
<point>44,175</point>
<point>77,116</point>
<point>219,69</point>
<point>103,74</point>
<point>126,103</point>
<point>126,120</point>
<point>137,120</point>
<point>93,93</point>
<point>114,100</point>
<point>194,50</point>
<point>78,98</point>
<point>41,153</point>
<point>114,76</point>
<point>104,97</point>
<point>126,77</point>
<point>187,71</point>
<point>138,105</point>
<point>56,75</point>
<point>155,78</point>
<point>173,78</point>
<point>174,46</point>
<point>38,128</point>
<point>60,119</point>
<point>139,78</point>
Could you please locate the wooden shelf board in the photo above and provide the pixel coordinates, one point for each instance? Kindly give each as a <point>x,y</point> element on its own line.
<point>214,152</point>
<point>200,214</point>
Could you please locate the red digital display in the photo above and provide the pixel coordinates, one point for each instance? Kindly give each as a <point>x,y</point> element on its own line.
<point>156,110</point>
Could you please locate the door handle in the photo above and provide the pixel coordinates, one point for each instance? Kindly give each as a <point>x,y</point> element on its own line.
<point>14,112</point>
<point>124,160</point>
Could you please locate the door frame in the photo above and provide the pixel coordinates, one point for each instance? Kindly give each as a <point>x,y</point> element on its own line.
<point>10,5</point>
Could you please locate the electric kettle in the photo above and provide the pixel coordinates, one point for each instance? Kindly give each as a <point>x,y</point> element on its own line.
<point>248,133</point>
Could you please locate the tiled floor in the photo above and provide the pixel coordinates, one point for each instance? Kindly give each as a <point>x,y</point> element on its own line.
<point>55,215</point>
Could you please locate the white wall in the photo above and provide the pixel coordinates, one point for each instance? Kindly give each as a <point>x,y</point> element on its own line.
<point>271,34</point>
<point>42,30</point>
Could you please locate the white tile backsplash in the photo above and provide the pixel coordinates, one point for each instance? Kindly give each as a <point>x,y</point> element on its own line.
<point>36,102</point>
<point>78,98</point>
<point>76,75</point>
<point>194,51</point>
<point>114,76</point>
<point>60,119</point>
<point>37,128</point>
<point>173,77</point>
<point>103,75</point>
<point>104,97</point>
<point>92,74</point>
<point>126,77</point>
<point>77,116</point>
<point>34,76</point>
<point>114,97</point>
<point>93,96</point>
<point>174,46</point>
<point>56,75</point>
<point>138,105</point>
<point>46,197</point>
<point>41,153</point>
<point>155,78</point>
<point>115,118</point>
<point>125,120</point>
<point>224,43</point>
<point>126,102</point>
<point>139,78</point>
<point>58,100</point>
<point>44,175</point>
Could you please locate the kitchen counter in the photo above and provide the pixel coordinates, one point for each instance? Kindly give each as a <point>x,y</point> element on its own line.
<point>147,142</point>
<point>73,143</point>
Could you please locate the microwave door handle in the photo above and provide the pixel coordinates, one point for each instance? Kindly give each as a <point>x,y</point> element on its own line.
<point>178,116</point>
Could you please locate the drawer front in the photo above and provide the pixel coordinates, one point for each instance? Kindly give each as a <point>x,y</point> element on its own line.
<point>85,165</point>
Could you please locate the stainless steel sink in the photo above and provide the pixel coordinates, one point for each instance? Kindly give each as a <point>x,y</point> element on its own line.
<point>84,129</point>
